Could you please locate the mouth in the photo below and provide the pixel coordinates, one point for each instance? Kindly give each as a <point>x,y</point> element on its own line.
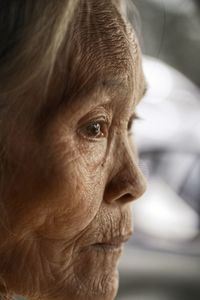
<point>114,244</point>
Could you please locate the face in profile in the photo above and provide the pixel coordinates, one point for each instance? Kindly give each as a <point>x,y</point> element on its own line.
<point>71,179</point>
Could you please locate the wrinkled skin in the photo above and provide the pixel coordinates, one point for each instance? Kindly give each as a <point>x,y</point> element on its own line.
<point>74,187</point>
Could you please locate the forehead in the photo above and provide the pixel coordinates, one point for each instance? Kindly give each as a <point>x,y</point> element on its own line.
<point>104,49</point>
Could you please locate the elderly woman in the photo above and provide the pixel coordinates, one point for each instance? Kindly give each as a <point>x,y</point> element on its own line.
<point>70,80</point>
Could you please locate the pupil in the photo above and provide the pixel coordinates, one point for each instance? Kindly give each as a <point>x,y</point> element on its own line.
<point>94,129</point>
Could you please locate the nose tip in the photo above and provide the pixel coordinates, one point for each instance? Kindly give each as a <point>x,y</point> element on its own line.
<point>140,183</point>
<point>126,186</point>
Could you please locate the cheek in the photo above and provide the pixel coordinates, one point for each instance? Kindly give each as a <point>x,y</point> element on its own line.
<point>93,154</point>
<point>79,192</point>
<point>60,191</point>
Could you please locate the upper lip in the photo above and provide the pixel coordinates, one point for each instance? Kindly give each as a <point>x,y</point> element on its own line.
<point>114,241</point>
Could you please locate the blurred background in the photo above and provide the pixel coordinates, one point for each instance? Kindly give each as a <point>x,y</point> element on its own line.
<point>162,260</point>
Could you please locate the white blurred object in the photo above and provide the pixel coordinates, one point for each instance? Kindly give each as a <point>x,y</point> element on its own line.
<point>161,213</point>
<point>170,111</point>
<point>187,7</point>
<point>170,114</point>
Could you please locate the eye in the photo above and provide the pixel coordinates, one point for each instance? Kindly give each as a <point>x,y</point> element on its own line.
<point>94,130</point>
<point>131,121</point>
<point>130,124</point>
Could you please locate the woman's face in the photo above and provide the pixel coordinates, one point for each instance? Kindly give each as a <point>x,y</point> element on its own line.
<point>67,207</point>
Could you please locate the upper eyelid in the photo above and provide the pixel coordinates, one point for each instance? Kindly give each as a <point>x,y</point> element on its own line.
<point>99,119</point>
<point>100,114</point>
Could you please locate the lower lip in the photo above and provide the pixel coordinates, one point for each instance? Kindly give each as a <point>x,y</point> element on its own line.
<point>107,247</point>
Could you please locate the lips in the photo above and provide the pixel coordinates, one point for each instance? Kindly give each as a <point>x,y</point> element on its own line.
<point>112,244</point>
<point>109,230</point>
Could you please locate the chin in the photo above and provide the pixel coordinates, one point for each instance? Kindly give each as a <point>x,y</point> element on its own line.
<point>93,276</point>
<point>102,287</point>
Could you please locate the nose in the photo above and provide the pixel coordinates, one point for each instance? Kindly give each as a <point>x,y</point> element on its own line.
<point>127,182</point>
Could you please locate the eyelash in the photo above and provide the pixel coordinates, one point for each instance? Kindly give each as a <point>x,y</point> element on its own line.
<point>130,124</point>
<point>133,118</point>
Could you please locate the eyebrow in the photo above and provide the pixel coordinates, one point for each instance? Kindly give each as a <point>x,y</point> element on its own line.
<point>119,82</point>
<point>103,84</point>
<point>110,83</point>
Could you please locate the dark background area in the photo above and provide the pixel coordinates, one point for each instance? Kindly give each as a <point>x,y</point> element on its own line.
<point>170,31</point>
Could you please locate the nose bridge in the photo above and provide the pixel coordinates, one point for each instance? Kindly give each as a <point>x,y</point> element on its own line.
<point>130,170</point>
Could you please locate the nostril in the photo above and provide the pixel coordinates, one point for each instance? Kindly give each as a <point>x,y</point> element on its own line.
<point>126,198</point>
<point>126,186</point>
